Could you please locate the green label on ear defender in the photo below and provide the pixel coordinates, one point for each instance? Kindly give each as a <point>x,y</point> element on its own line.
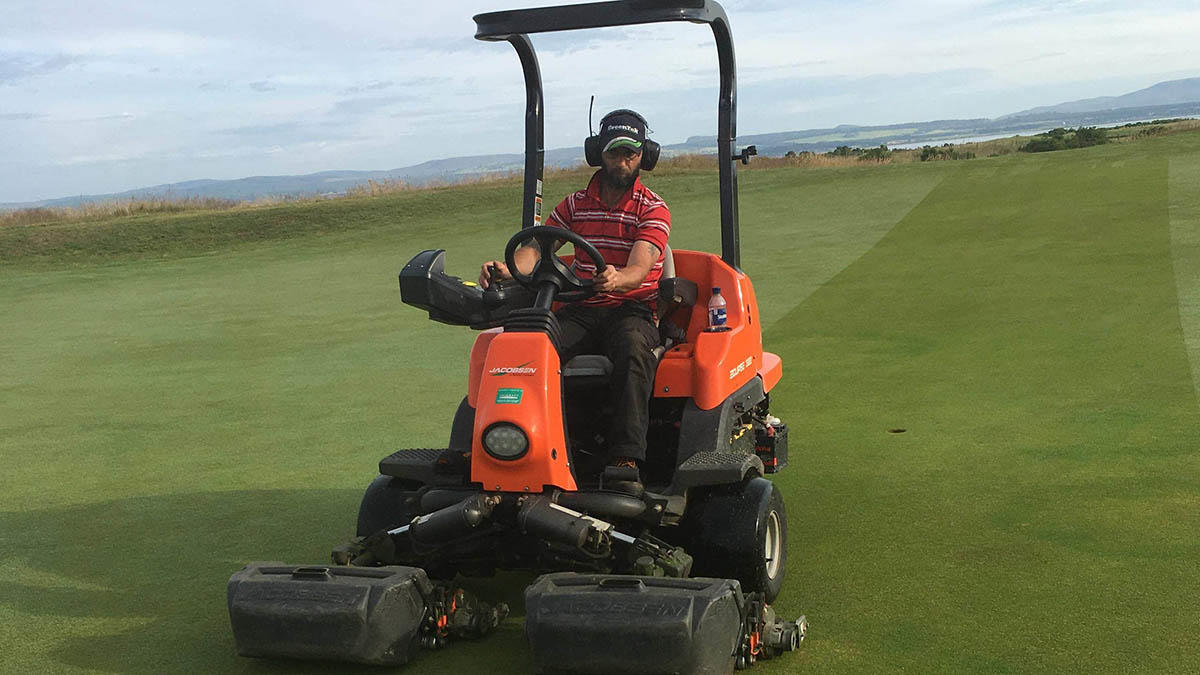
<point>508,395</point>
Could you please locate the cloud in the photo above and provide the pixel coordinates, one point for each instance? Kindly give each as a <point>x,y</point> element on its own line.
<point>260,129</point>
<point>16,68</point>
<point>283,136</point>
<point>261,86</point>
<point>362,106</point>
<point>109,118</point>
<point>21,116</point>
<point>370,86</point>
<point>1039,57</point>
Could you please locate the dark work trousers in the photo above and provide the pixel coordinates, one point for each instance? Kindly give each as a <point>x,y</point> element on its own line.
<point>626,334</point>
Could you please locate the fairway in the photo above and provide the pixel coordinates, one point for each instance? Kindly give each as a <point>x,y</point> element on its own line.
<point>170,411</point>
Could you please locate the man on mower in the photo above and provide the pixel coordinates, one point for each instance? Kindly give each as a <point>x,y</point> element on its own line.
<point>628,224</point>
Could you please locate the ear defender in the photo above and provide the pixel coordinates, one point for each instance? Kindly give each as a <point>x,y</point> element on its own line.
<point>591,151</point>
<point>650,150</point>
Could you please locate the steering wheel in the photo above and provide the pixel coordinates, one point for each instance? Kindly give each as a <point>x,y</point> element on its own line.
<point>550,268</point>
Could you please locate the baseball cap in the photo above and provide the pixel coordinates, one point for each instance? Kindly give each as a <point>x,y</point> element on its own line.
<point>622,128</point>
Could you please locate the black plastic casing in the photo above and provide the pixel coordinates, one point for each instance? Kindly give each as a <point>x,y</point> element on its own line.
<point>356,614</point>
<point>425,284</point>
<point>772,448</point>
<point>600,624</point>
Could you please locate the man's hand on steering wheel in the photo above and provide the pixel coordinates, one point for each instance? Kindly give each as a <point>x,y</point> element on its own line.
<point>608,280</point>
<point>548,271</point>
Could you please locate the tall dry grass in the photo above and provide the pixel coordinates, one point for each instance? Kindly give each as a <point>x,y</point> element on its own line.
<point>1143,131</point>
<point>376,188</point>
<point>672,164</point>
<point>114,209</point>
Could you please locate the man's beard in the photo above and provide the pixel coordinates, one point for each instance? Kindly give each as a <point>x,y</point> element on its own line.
<point>623,183</point>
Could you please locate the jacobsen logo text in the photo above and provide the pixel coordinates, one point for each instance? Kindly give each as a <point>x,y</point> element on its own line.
<point>516,370</point>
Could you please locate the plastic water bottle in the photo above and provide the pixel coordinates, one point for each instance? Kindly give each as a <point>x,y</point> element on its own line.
<point>716,310</point>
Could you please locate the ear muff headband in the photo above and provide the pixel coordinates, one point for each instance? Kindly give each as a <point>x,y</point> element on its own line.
<point>625,111</point>
<point>650,150</point>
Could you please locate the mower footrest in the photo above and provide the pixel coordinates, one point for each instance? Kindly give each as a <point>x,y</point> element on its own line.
<point>356,614</point>
<point>424,465</point>
<point>716,468</point>
<point>596,623</point>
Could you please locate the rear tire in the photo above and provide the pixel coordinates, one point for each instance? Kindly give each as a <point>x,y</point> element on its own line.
<point>385,505</point>
<point>740,532</point>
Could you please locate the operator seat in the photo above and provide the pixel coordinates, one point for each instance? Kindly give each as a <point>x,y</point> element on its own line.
<point>594,369</point>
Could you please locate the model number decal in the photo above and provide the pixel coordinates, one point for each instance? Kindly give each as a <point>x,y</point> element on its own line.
<point>734,372</point>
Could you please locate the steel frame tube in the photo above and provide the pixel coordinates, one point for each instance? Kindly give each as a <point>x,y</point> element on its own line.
<point>514,25</point>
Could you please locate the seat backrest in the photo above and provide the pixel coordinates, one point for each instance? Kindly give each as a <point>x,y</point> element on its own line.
<point>673,294</point>
<point>668,270</point>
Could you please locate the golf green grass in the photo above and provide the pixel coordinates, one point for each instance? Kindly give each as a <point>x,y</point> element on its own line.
<point>217,388</point>
<point>1184,195</point>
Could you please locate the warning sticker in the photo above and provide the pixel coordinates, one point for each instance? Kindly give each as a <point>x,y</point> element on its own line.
<point>508,395</point>
<point>537,210</point>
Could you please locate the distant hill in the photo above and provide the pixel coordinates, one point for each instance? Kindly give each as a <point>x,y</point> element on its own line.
<point>1177,98</point>
<point>321,183</point>
<point>1172,92</point>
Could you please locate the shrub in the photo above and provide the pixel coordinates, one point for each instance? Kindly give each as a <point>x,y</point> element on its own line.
<point>1063,139</point>
<point>879,154</point>
<point>1044,144</point>
<point>1087,136</point>
<point>945,152</point>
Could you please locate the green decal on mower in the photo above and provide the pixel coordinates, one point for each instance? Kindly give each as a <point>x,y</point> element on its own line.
<point>508,395</point>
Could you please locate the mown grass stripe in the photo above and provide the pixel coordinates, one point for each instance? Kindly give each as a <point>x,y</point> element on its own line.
<point>799,234</point>
<point>1184,201</point>
<point>1021,324</point>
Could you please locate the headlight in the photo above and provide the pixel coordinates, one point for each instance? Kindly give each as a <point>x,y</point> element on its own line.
<point>505,441</point>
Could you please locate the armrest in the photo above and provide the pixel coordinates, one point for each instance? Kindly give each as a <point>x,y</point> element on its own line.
<point>677,292</point>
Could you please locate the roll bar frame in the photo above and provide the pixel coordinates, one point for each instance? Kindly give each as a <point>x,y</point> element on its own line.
<point>514,27</point>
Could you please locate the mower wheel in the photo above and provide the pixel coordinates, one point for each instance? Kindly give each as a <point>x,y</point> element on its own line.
<point>740,532</point>
<point>385,504</point>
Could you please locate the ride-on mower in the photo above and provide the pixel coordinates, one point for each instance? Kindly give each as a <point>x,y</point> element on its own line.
<point>673,578</point>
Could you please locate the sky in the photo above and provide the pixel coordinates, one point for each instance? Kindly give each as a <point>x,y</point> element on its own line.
<point>99,97</point>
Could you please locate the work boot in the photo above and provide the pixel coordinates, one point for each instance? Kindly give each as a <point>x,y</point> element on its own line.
<point>622,475</point>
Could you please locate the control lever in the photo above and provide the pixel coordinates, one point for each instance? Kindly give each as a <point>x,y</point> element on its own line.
<point>491,294</point>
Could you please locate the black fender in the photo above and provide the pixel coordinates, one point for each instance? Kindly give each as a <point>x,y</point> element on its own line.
<point>725,530</point>
<point>388,502</point>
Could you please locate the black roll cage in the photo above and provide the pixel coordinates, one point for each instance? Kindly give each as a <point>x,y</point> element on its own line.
<point>514,26</point>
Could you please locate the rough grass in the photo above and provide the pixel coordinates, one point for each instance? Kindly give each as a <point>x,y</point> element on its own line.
<point>121,208</point>
<point>165,419</point>
<point>106,210</point>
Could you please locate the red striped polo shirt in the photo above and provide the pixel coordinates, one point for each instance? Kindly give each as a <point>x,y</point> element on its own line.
<point>639,215</point>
